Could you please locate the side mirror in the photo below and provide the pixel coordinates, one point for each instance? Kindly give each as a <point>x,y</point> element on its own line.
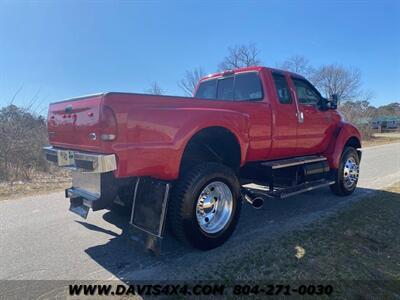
<point>324,104</point>
<point>333,100</point>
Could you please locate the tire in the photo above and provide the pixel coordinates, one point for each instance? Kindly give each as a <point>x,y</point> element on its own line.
<point>188,211</point>
<point>346,177</point>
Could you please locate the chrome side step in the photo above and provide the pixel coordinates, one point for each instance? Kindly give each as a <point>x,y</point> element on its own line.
<point>286,192</point>
<point>301,188</point>
<point>284,163</point>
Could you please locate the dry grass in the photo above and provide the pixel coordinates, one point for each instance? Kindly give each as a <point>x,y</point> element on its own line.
<point>41,183</point>
<point>382,138</point>
<point>356,250</point>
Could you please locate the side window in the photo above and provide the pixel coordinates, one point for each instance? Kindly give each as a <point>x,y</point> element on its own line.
<point>306,93</point>
<point>225,89</point>
<point>282,89</point>
<point>247,86</point>
<point>207,89</point>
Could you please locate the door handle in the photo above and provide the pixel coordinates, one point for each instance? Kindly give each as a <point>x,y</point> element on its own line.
<point>300,117</point>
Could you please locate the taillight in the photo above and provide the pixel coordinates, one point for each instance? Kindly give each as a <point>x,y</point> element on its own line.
<point>109,128</point>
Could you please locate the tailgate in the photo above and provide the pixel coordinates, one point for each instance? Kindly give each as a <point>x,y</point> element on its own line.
<point>75,123</point>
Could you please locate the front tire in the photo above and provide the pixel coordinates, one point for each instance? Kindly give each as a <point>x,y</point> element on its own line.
<point>205,206</point>
<point>346,177</point>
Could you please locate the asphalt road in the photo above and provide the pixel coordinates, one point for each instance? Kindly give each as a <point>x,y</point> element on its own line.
<point>41,239</point>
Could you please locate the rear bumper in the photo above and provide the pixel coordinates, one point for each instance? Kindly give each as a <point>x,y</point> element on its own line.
<point>87,162</point>
<point>92,190</point>
<point>95,187</point>
<point>93,183</point>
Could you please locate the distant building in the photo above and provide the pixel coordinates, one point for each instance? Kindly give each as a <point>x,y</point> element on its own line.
<point>386,123</point>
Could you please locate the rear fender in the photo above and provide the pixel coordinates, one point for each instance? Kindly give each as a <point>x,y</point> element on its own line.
<point>159,136</point>
<point>235,122</point>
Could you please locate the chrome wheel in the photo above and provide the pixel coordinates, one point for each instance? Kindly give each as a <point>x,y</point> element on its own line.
<point>214,207</point>
<point>350,172</point>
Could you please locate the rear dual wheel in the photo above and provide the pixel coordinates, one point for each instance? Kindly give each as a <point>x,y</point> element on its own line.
<point>205,206</point>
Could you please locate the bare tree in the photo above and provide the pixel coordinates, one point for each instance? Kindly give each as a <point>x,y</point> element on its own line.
<point>354,111</point>
<point>23,135</point>
<point>189,82</point>
<point>297,64</point>
<point>240,56</point>
<point>155,89</point>
<point>337,79</point>
<point>16,94</point>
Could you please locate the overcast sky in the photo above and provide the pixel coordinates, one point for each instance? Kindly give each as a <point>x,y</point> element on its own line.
<point>62,49</point>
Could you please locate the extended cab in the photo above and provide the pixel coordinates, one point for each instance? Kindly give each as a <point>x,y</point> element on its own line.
<point>189,161</point>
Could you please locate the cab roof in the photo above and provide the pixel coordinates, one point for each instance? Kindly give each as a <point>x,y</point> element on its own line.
<point>247,69</point>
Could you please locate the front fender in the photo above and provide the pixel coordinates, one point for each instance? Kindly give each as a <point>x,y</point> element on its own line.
<point>342,135</point>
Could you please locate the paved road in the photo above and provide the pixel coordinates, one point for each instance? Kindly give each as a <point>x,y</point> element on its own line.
<point>40,239</point>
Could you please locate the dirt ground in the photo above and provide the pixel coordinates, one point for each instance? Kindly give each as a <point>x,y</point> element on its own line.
<point>382,138</point>
<point>40,183</point>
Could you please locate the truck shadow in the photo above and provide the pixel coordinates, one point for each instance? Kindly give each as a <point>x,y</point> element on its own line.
<point>127,260</point>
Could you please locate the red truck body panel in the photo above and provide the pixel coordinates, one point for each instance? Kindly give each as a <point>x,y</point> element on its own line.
<point>70,122</point>
<point>153,131</point>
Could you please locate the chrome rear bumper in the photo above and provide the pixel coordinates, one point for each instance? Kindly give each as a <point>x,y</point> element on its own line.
<point>93,183</point>
<point>86,162</point>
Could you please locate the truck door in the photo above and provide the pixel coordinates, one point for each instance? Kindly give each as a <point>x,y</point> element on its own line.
<point>314,124</point>
<point>284,119</point>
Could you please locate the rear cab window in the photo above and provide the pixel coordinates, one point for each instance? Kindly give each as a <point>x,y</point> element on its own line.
<point>225,88</point>
<point>248,86</point>
<point>207,89</point>
<point>238,87</point>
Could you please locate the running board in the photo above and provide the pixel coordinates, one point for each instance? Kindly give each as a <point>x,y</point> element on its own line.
<point>301,188</point>
<point>284,163</point>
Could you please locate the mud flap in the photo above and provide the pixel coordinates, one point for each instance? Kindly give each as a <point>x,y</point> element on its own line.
<point>149,209</point>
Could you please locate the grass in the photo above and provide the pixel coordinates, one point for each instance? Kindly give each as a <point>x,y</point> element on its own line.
<point>357,249</point>
<point>382,138</point>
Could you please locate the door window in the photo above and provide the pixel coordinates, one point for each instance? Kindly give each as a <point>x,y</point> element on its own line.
<point>306,93</point>
<point>282,89</point>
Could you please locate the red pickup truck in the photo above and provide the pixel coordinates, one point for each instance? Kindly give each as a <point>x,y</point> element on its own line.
<point>189,161</point>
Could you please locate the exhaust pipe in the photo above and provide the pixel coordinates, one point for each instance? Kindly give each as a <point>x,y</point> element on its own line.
<point>256,201</point>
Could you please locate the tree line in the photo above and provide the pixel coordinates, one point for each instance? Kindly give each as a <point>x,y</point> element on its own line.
<point>329,79</point>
